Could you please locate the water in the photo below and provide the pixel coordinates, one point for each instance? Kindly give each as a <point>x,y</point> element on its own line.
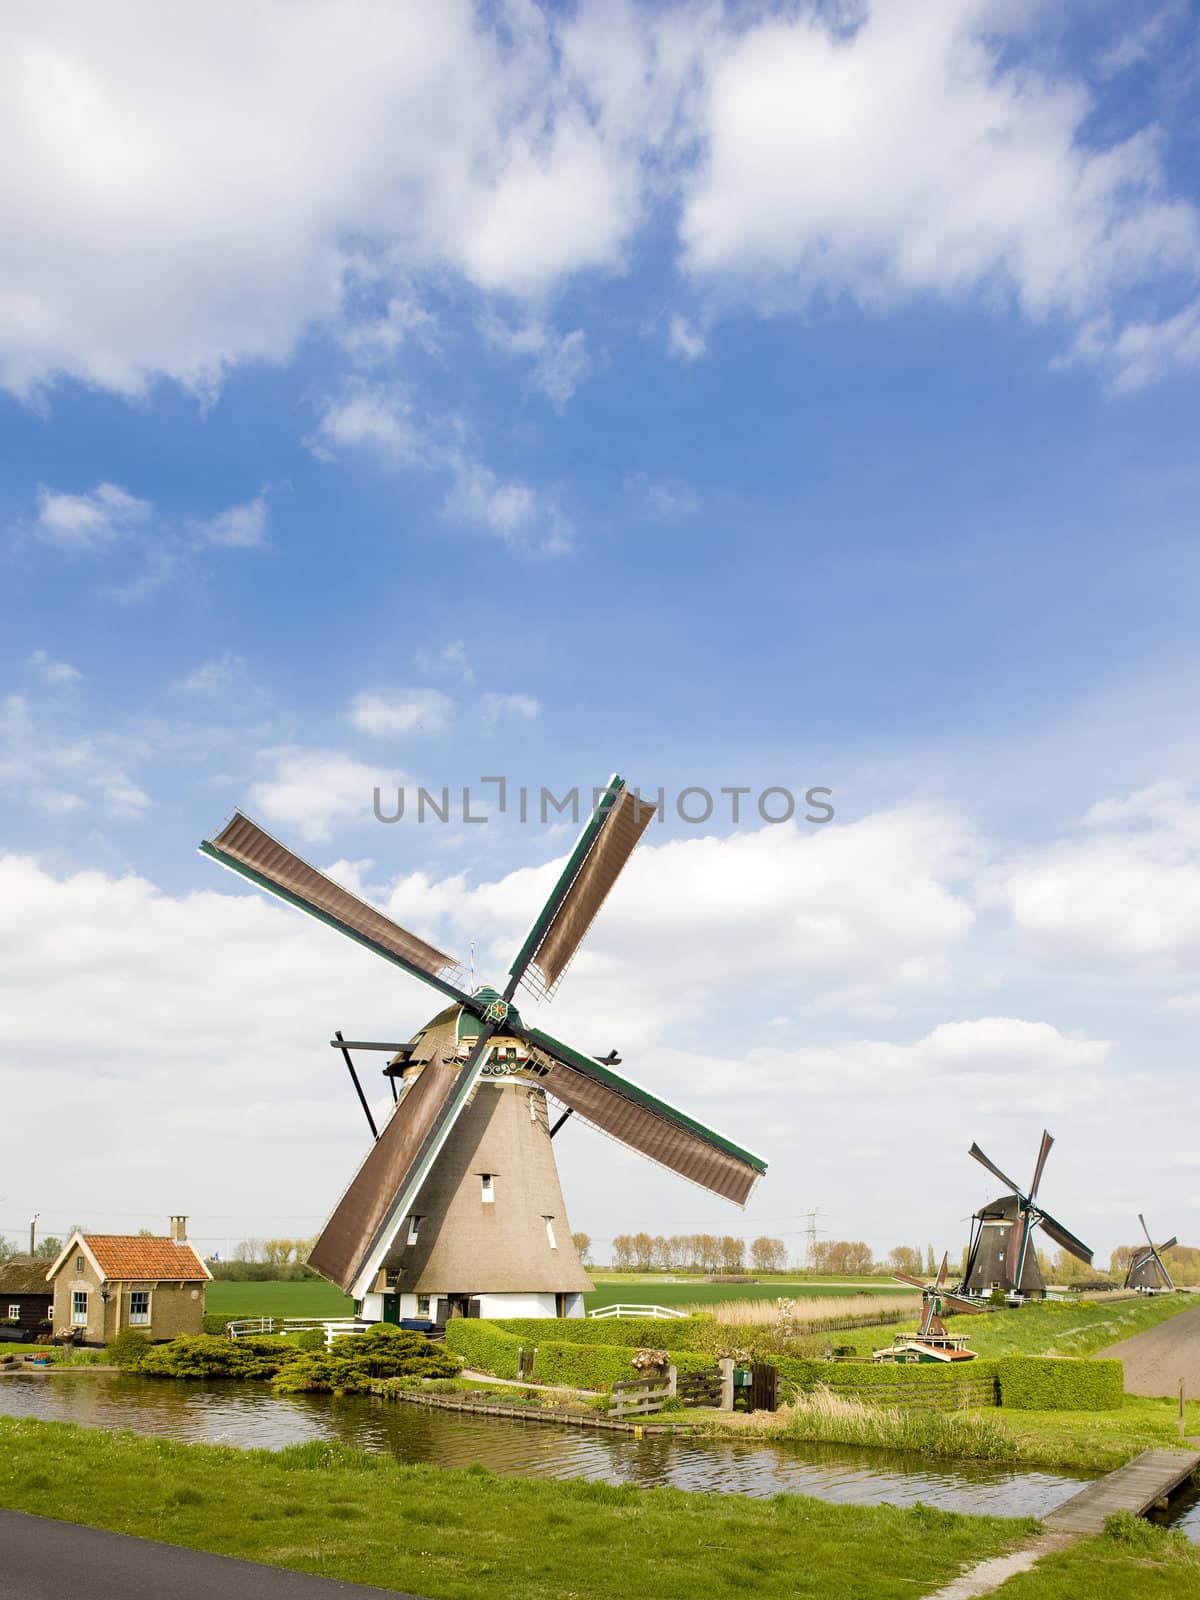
<point>251,1416</point>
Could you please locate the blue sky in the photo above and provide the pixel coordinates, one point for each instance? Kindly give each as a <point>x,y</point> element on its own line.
<point>788,397</point>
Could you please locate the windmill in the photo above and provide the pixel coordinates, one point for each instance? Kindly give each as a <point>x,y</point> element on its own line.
<point>1147,1271</point>
<point>933,1342</point>
<point>457,1208</point>
<point>1001,1255</point>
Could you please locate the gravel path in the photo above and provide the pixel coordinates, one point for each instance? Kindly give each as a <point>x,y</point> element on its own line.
<point>1157,1359</point>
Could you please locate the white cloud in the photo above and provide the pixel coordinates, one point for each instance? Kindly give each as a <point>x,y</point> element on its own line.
<point>524,517</point>
<point>214,676</point>
<point>519,707</point>
<point>684,340</point>
<point>668,500</point>
<point>313,791</point>
<point>55,673</point>
<point>1141,353</point>
<point>560,361</point>
<point>451,658</point>
<point>399,711</point>
<point>61,773</point>
<point>88,522</point>
<point>239,527</point>
<point>909,154</point>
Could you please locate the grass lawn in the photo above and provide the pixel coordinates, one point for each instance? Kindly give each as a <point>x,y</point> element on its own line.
<point>308,1297</point>
<point>472,1536</point>
<point>1060,1328</point>
<point>1139,1563</point>
<point>1099,1439</point>
<point>633,1289</point>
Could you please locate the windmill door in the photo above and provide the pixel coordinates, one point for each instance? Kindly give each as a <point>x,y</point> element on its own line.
<point>462,1305</point>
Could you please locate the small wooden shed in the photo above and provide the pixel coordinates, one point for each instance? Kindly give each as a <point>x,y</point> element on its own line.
<point>25,1299</point>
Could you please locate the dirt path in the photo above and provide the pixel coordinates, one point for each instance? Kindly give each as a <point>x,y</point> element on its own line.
<point>1157,1359</point>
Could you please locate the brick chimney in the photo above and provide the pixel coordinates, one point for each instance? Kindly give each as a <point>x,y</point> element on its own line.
<point>179,1230</point>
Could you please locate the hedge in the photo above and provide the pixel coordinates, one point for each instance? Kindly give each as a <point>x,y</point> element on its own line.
<point>483,1346</point>
<point>487,1347</point>
<point>639,1333</point>
<point>1060,1383</point>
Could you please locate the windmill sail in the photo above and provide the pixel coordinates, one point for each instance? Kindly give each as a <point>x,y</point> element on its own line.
<point>1066,1239</point>
<point>627,1113</point>
<point>245,848</point>
<point>605,845</point>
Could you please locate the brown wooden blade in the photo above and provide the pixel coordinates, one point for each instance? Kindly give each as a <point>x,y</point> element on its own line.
<point>992,1168</point>
<point>1040,1167</point>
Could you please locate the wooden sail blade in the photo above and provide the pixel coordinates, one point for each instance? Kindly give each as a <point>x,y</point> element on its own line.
<point>1062,1236</point>
<point>608,840</point>
<point>903,1277</point>
<point>250,851</point>
<point>1040,1166</point>
<point>992,1168</point>
<point>385,1187</point>
<point>956,1305</point>
<point>941,1276</point>
<point>1018,1237</point>
<point>639,1120</point>
<point>1145,1230</point>
<point>1170,1244</point>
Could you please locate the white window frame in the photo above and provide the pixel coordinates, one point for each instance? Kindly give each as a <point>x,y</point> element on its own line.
<point>14,1313</point>
<point>549,1221</point>
<point>80,1266</point>
<point>79,1317</point>
<point>414,1228</point>
<point>423,1309</point>
<point>140,1319</point>
<point>487,1188</point>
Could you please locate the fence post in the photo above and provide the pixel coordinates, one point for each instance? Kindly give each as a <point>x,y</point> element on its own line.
<point>672,1380</point>
<point>726,1366</point>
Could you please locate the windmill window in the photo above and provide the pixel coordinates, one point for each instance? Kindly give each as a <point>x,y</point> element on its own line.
<point>414,1225</point>
<point>549,1221</point>
<point>487,1188</point>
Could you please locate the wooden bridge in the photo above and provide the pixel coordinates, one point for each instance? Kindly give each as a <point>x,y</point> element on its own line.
<point>1140,1484</point>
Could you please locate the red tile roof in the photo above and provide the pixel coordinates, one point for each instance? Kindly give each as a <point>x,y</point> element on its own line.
<point>122,1255</point>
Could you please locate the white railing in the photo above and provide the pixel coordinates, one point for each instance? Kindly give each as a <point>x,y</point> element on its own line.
<point>333,1327</point>
<point>659,1312</point>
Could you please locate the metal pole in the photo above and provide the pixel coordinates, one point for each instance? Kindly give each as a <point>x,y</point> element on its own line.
<point>362,1099</point>
<point>33,1232</point>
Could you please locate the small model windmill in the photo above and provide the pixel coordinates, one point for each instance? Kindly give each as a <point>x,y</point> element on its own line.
<point>933,1342</point>
<point>1147,1271</point>
<point>457,1208</point>
<point>1001,1254</point>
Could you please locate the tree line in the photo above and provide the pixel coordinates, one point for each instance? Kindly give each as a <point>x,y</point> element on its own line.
<point>696,1252</point>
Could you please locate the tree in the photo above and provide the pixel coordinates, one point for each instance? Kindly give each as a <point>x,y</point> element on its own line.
<point>48,1248</point>
<point>248,1250</point>
<point>905,1259</point>
<point>768,1255</point>
<point>7,1251</point>
<point>643,1252</point>
<point>931,1262</point>
<point>622,1252</point>
<point>844,1257</point>
<point>583,1245</point>
<point>733,1253</point>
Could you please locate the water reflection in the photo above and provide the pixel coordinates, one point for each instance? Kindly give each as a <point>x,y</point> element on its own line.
<point>250,1416</point>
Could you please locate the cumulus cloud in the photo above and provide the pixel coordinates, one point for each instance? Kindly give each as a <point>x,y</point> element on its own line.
<point>560,361</point>
<point>52,672</point>
<point>312,791</point>
<point>60,773</point>
<point>518,707</point>
<point>89,523</point>
<point>684,340</point>
<point>214,676</point>
<point>451,658</point>
<point>239,527</point>
<point>398,711</point>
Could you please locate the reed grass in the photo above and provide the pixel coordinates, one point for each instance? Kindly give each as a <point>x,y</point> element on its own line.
<point>820,1414</point>
<point>809,1316</point>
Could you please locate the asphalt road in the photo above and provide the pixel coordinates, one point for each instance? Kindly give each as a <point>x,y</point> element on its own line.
<point>41,1559</point>
<point>1157,1359</point>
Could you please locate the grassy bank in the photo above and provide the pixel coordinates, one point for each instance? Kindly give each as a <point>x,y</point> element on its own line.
<point>310,1297</point>
<point>1132,1561</point>
<point>473,1536</point>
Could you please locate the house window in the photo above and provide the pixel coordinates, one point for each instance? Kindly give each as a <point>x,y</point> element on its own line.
<point>139,1308</point>
<point>14,1313</point>
<point>488,1192</point>
<point>422,1305</point>
<point>79,1308</point>
<point>414,1224</point>
<point>79,1264</point>
<point>549,1221</point>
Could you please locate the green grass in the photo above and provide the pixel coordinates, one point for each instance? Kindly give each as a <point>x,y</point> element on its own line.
<point>1098,1439</point>
<point>307,1297</point>
<point>1132,1560</point>
<point>473,1536</point>
<point>631,1289</point>
<point>1060,1328</point>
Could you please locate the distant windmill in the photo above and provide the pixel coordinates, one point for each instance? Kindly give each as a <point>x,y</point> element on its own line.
<point>1001,1253</point>
<point>1146,1269</point>
<point>457,1209</point>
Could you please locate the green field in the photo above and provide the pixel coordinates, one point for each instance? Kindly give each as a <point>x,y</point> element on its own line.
<point>471,1535</point>
<point>309,1297</point>
<point>637,1289</point>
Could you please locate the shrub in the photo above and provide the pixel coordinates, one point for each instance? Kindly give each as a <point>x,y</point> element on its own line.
<point>492,1348</point>
<point>310,1339</point>
<point>354,1361</point>
<point>485,1346</point>
<point>202,1356</point>
<point>1060,1383</point>
<point>129,1349</point>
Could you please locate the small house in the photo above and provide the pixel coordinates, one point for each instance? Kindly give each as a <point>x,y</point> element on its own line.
<point>25,1299</point>
<point>104,1283</point>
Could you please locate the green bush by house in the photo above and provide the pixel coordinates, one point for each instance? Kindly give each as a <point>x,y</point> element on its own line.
<point>354,1361</point>
<point>203,1356</point>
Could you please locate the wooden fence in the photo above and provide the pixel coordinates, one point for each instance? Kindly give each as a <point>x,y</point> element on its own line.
<point>638,1396</point>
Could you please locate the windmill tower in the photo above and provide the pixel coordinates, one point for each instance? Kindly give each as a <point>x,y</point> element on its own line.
<point>933,1342</point>
<point>1146,1269</point>
<point>1001,1255</point>
<point>457,1209</point>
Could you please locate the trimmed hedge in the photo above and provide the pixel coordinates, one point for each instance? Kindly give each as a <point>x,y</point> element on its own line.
<point>484,1346</point>
<point>489,1347</point>
<point>1060,1383</point>
<point>639,1333</point>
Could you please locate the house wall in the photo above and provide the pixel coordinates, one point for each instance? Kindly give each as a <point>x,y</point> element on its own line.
<point>174,1308</point>
<point>32,1311</point>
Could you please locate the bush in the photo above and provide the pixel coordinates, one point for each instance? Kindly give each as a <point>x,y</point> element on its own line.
<point>354,1361</point>
<point>1060,1383</point>
<point>129,1349</point>
<point>485,1346</point>
<point>492,1348</point>
<point>202,1356</point>
<point>310,1339</point>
